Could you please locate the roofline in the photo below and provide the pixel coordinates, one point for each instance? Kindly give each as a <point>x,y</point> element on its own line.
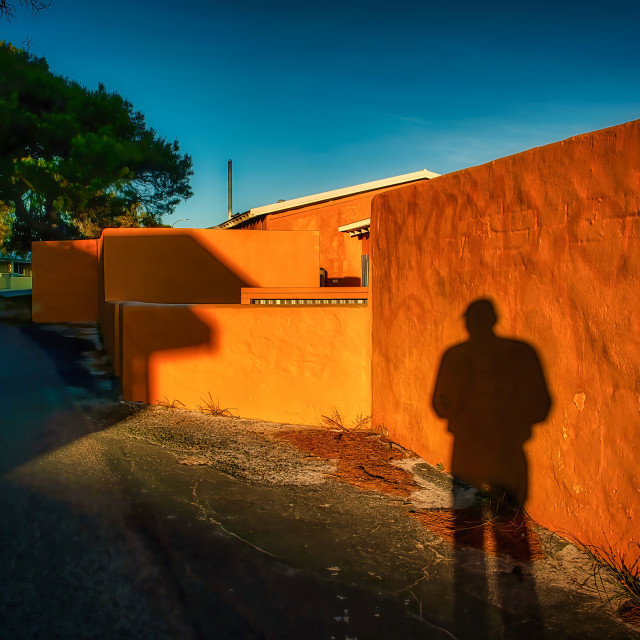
<point>14,257</point>
<point>317,198</point>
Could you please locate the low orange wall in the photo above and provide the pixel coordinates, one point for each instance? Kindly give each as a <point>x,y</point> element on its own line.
<point>204,265</point>
<point>552,237</point>
<point>286,364</point>
<point>65,281</point>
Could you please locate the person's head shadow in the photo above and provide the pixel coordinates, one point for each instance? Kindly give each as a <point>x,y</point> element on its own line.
<point>492,391</point>
<point>480,318</point>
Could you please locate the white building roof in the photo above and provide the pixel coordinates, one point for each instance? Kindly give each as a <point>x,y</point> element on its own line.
<point>296,203</point>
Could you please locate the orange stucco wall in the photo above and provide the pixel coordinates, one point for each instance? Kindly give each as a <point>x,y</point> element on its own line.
<point>339,252</point>
<point>275,363</point>
<point>552,237</point>
<point>65,281</point>
<point>203,265</point>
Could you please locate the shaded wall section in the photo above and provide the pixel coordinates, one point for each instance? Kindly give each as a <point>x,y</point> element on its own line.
<point>65,281</point>
<point>551,237</point>
<point>203,265</point>
<point>273,363</point>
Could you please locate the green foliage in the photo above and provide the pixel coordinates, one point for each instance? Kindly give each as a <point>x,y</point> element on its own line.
<point>74,161</point>
<point>6,222</point>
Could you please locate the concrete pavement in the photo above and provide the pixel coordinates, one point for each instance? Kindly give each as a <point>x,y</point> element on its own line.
<point>123,522</point>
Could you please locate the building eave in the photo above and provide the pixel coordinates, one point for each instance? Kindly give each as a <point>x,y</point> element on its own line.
<point>359,228</point>
<point>318,198</point>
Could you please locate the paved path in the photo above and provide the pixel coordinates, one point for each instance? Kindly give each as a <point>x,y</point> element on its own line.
<point>32,392</point>
<point>105,536</point>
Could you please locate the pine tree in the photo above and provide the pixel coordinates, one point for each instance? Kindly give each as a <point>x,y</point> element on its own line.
<point>74,161</point>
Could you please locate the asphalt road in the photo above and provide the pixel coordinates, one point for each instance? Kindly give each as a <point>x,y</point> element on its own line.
<point>104,535</point>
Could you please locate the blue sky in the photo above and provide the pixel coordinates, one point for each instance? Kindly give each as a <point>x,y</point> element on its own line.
<point>311,96</point>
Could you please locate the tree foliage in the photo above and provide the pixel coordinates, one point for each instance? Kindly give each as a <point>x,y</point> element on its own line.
<point>74,161</point>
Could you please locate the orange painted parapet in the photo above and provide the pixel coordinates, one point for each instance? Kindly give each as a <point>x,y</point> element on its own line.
<point>250,294</point>
<point>552,237</point>
<point>204,265</point>
<point>287,364</point>
<point>65,281</point>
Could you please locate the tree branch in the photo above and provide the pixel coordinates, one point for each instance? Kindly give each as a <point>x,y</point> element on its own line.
<point>8,8</point>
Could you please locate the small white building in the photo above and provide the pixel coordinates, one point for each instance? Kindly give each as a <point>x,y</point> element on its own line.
<point>15,272</point>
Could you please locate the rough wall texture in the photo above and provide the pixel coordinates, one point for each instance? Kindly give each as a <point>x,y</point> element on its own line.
<point>275,363</point>
<point>551,237</point>
<point>65,281</point>
<point>202,265</point>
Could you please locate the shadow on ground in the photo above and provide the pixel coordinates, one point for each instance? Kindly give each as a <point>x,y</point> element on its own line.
<point>159,523</point>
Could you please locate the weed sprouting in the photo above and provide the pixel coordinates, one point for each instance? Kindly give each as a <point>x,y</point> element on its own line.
<point>494,502</point>
<point>212,407</point>
<point>336,421</point>
<point>361,422</point>
<point>497,505</point>
<point>617,579</point>
<point>170,404</point>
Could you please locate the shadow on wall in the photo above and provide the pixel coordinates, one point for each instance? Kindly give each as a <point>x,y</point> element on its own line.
<point>166,271</point>
<point>160,338</point>
<point>152,267</point>
<point>173,269</point>
<point>492,391</point>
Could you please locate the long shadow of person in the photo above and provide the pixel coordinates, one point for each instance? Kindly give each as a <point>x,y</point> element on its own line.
<point>492,391</point>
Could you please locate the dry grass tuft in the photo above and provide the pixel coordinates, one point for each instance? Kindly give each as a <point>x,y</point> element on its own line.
<point>617,579</point>
<point>336,421</point>
<point>170,404</point>
<point>212,407</point>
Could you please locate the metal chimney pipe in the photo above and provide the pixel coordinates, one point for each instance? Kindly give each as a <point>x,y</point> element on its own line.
<point>230,187</point>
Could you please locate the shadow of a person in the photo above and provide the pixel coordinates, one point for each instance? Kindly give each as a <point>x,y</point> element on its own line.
<point>492,391</point>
